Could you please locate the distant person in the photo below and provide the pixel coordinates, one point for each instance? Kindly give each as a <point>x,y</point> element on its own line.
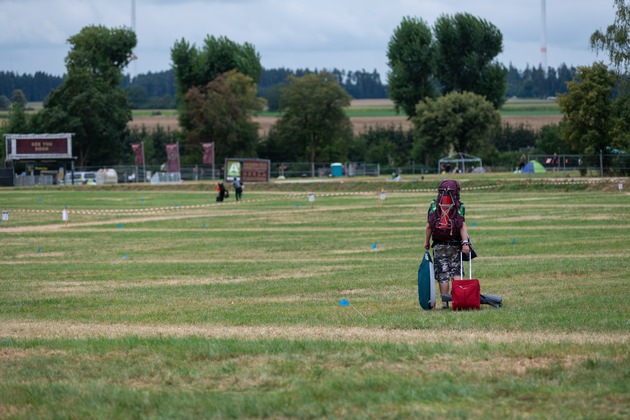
<point>223,194</point>
<point>521,162</point>
<point>238,189</point>
<point>555,162</point>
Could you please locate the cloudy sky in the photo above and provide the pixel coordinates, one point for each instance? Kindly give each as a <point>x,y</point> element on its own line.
<point>343,34</point>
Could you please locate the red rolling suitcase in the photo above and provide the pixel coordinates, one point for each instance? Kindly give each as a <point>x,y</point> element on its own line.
<point>466,294</point>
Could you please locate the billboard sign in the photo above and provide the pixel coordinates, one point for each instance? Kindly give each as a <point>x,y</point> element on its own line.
<point>248,170</point>
<point>38,146</point>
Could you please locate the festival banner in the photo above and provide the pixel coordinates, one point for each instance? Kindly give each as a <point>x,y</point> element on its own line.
<point>138,153</point>
<point>208,153</point>
<point>172,157</point>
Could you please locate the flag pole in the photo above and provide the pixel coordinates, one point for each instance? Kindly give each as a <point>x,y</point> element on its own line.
<point>144,169</point>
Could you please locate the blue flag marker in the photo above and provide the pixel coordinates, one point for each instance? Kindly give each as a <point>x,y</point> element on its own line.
<point>142,200</point>
<point>513,241</point>
<point>374,246</point>
<point>204,225</point>
<point>39,250</point>
<point>474,224</point>
<point>120,226</point>
<point>125,257</point>
<point>344,302</point>
<point>39,200</point>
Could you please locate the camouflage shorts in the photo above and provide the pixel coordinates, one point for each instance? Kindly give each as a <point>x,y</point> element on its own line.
<point>446,262</point>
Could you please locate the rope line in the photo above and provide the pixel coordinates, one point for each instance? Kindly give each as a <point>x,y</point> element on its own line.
<point>157,210</point>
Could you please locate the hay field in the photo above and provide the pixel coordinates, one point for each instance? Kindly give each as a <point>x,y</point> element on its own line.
<point>159,302</point>
<point>360,124</point>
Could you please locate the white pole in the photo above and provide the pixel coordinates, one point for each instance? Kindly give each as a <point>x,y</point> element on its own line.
<point>133,28</point>
<point>144,169</point>
<point>543,35</point>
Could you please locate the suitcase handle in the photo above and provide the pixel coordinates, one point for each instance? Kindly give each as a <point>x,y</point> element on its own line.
<point>461,265</point>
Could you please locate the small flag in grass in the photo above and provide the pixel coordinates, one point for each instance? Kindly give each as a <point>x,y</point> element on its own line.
<point>39,250</point>
<point>120,226</point>
<point>344,302</point>
<point>374,246</point>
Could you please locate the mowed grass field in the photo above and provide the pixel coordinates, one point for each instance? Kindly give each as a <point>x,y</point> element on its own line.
<point>161,303</point>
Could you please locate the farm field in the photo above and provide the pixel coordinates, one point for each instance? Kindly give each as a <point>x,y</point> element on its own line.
<point>368,113</point>
<point>160,302</point>
<point>364,113</point>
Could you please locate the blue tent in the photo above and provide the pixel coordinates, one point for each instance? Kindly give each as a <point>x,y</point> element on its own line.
<point>533,167</point>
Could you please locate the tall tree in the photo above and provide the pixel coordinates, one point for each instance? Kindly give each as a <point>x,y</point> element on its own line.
<point>312,115</point>
<point>18,121</point>
<point>410,55</point>
<point>457,122</point>
<point>195,67</point>
<point>616,39</point>
<point>222,112</point>
<point>466,49</point>
<point>196,71</point>
<point>90,102</point>
<point>591,119</point>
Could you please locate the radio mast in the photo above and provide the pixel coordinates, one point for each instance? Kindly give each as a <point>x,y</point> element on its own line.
<point>543,35</point>
<point>134,66</point>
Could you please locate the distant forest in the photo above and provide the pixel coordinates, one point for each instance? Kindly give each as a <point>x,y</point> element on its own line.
<point>157,90</point>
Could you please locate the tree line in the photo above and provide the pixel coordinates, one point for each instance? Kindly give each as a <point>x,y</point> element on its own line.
<point>217,95</point>
<point>156,90</point>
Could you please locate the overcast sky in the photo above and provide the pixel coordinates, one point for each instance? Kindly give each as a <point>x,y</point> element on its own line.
<point>342,34</point>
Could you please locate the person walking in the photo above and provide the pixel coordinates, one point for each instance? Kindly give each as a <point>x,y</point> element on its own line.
<point>446,226</point>
<point>238,189</point>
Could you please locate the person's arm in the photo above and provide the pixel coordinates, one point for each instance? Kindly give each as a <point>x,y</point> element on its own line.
<point>427,237</point>
<point>464,234</point>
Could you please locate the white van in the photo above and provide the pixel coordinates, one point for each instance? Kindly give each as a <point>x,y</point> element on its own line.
<point>80,178</point>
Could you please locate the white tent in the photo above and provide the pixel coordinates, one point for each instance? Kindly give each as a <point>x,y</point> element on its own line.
<point>460,160</point>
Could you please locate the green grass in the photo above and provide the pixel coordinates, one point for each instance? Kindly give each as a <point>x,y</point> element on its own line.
<point>530,107</point>
<point>232,310</point>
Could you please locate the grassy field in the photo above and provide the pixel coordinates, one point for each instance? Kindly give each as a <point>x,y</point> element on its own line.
<point>161,303</point>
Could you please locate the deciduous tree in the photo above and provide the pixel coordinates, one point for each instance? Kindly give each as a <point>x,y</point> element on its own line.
<point>457,122</point>
<point>196,67</point>
<point>591,117</point>
<point>90,102</point>
<point>616,38</point>
<point>312,116</point>
<point>222,112</point>
<point>411,61</point>
<point>466,50</point>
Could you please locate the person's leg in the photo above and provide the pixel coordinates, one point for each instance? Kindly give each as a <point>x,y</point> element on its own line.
<point>441,268</point>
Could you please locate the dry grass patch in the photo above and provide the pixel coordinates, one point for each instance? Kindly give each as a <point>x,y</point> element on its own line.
<point>76,330</point>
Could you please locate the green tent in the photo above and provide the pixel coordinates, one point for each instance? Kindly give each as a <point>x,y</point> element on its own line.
<point>533,167</point>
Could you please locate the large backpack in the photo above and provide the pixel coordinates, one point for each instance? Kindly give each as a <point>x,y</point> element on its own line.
<point>446,212</point>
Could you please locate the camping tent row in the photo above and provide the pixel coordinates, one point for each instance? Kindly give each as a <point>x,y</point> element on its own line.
<point>460,160</point>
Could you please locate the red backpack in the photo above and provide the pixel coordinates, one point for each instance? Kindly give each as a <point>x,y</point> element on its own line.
<point>446,213</point>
